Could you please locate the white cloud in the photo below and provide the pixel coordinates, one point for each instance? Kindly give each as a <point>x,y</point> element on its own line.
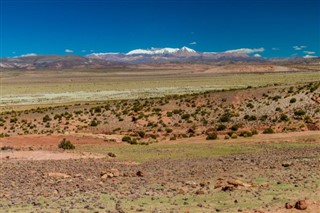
<point>26,55</point>
<point>193,43</point>
<point>68,51</point>
<point>246,50</point>
<point>257,55</point>
<point>309,52</point>
<point>310,56</point>
<point>299,47</point>
<point>275,49</point>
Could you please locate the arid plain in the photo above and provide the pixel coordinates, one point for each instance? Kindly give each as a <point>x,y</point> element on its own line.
<point>161,138</point>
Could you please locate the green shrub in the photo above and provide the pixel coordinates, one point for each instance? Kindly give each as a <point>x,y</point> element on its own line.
<point>126,139</point>
<point>284,117</point>
<point>46,118</point>
<point>168,130</point>
<point>185,116</point>
<point>234,135</point>
<point>235,127</point>
<point>299,112</point>
<point>96,109</point>
<point>94,123</point>
<point>254,132</point>
<point>268,131</point>
<point>252,118</point>
<point>66,144</point>
<point>263,117</point>
<point>13,120</point>
<point>221,127</point>
<point>293,100</point>
<point>225,117</point>
<point>173,138</point>
<point>250,105</point>
<point>212,136</point>
<point>2,135</point>
<point>133,141</point>
<point>153,136</point>
<point>141,134</point>
<point>169,114</point>
<point>276,98</point>
<point>245,134</point>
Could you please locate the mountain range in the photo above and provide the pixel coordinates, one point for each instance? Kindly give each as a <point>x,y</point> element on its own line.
<point>141,56</point>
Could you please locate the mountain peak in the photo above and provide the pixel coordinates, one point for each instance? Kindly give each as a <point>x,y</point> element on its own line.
<point>160,51</point>
<point>187,49</point>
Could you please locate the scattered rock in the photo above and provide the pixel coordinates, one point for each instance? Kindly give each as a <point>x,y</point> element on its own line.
<point>58,175</point>
<point>288,206</point>
<point>140,174</point>
<point>191,183</point>
<point>287,164</point>
<point>235,182</point>
<point>110,173</point>
<point>77,176</point>
<point>112,155</point>
<point>107,175</point>
<point>301,205</point>
<point>200,192</point>
<point>228,188</point>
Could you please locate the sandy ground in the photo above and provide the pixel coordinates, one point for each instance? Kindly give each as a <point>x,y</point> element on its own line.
<point>46,142</point>
<point>45,155</point>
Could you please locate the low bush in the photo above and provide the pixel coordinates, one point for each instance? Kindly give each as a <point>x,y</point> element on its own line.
<point>141,134</point>
<point>245,134</point>
<point>66,144</point>
<point>234,127</point>
<point>299,112</point>
<point>212,136</point>
<point>234,135</point>
<point>284,117</point>
<point>126,138</point>
<point>268,131</point>
<point>221,127</point>
<point>293,100</point>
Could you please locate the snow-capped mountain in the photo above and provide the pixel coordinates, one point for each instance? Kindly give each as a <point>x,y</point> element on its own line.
<point>162,55</point>
<point>141,56</point>
<point>159,51</point>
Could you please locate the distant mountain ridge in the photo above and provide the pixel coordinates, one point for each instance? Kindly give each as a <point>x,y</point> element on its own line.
<point>141,56</point>
<point>165,55</point>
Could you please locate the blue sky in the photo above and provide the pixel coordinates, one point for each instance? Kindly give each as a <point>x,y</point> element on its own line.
<point>283,28</point>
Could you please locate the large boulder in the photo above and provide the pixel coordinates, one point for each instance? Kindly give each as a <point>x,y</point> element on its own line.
<point>110,173</point>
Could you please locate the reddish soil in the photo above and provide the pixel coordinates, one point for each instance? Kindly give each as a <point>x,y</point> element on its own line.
<point>45,142</point>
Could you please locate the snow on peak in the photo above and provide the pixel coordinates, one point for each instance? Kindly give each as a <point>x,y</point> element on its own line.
<point>159,51</point>
<point>187,49</point>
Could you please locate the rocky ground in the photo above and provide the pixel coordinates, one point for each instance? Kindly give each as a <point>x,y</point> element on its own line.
<point>271,179</point>
<point>248,150</point>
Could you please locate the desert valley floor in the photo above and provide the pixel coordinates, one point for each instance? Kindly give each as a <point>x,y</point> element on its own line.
<point>210,141</point>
